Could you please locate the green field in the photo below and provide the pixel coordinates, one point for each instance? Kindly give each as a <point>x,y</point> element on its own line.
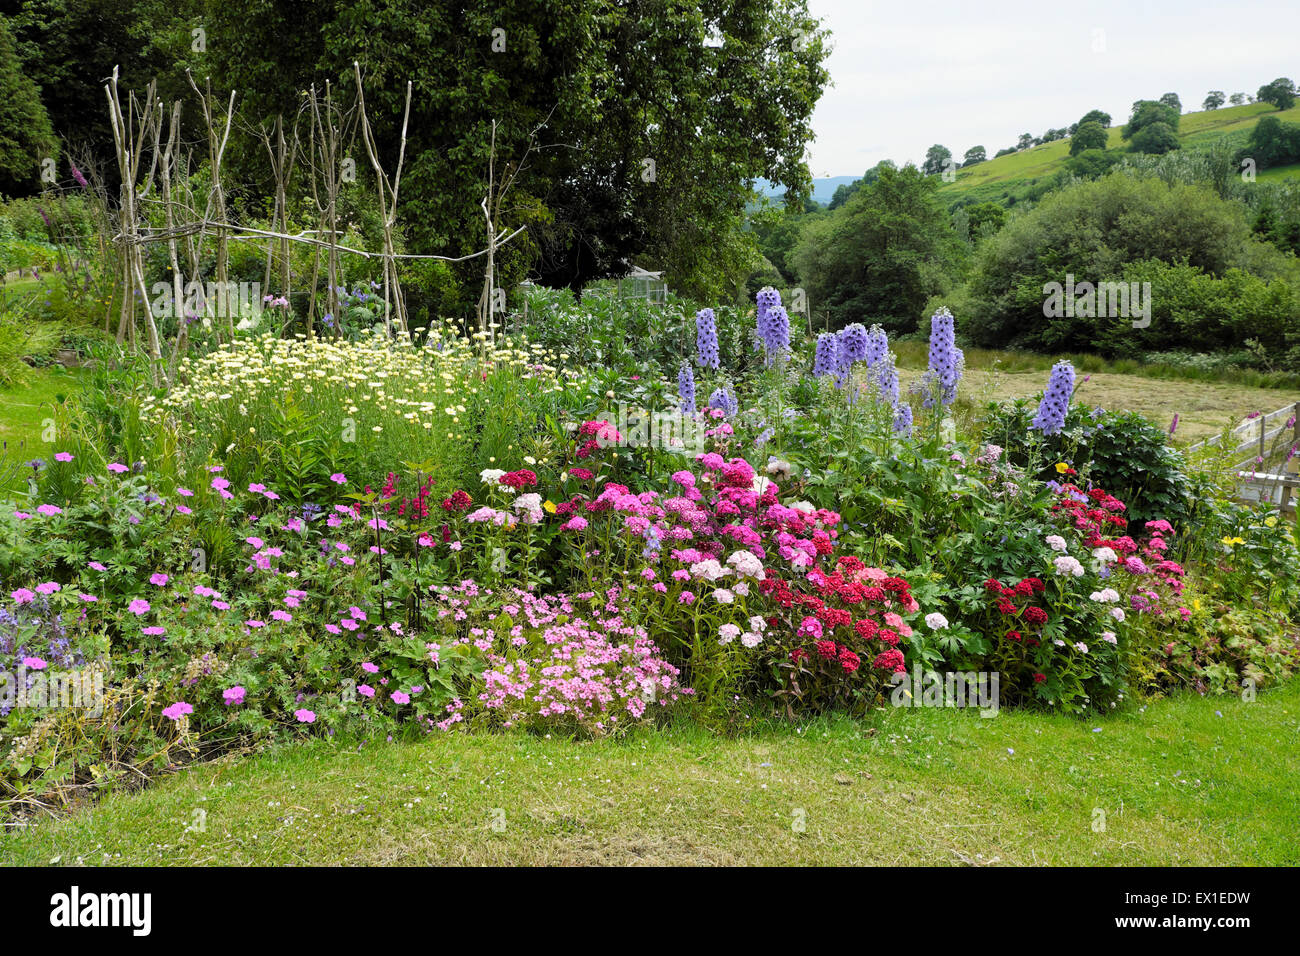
<point>1181,781</point>
<point>1044,160</point>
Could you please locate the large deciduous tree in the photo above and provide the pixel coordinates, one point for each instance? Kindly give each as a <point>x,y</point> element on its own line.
<point>26,137</point>
<point>638,124</point>
<point>880,255</point>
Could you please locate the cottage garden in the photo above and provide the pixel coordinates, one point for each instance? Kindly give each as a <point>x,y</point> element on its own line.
<point>373,536</point>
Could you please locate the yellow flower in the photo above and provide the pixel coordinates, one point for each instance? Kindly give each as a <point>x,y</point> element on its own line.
<point>1231,541</point>
<point>1196,604</point>
<point>1270,522</point>
<point>1062,467</point>
<point>549,506</point>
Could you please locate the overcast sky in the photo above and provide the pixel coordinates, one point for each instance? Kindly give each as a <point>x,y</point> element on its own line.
<point>905,75</point>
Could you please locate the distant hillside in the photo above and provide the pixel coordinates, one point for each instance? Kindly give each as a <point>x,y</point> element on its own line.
<point>822,191</point>
<point>995,177</point>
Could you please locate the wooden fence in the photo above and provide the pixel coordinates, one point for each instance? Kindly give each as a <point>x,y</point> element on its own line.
<point>1268,472</point>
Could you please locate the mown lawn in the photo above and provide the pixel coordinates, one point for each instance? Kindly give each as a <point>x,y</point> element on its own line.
<point>1181,781</point>
<point>25,406</point>
<point>1203,408</point>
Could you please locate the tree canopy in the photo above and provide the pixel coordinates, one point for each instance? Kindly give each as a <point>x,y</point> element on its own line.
<point>882,254</point>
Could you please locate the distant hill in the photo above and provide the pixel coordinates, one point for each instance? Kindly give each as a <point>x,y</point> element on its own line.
<point>822,191</point>
<point>995,178</point>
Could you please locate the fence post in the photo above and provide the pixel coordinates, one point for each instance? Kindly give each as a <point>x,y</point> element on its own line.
<point>1295,430</point>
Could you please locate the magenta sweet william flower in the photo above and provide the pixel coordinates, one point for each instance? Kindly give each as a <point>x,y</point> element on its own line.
<point>63,456</point>
<point>178,710</point>
<point>305,716</point>
<point>34,663</point>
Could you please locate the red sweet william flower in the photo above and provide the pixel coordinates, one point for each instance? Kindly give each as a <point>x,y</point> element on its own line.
<point>866,628</point>
<point>890,660</point>
<point>1006,607</point>
<point>849,661</point>
<point>582,474</point>
<point>827,650</point>
<point>1035,615</point>
<point>1013,636</point>
<point>1039,678</point>
<point>519,479</point>
<point>459,501</point>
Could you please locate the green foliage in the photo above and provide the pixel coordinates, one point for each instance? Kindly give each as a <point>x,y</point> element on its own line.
<point>882,254</point>
<point>937,158</point>
<point>661,176</point>
<point>1103,231</point>
<point>1154,139</point>
<point>1273,143</point>
<point>26,137</point>
<point>1281,93</point>
<point>1149,112</point>
<point>1122,452</point>
<point>1089,135</point>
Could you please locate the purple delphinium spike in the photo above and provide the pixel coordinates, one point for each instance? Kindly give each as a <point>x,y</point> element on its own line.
<point>686,388</point>
<point>706,339</point>
<point>1056,400</point>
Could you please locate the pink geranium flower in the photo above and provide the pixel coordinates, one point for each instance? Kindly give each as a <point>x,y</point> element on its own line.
<point>178,710</point>
<point>305,716</point>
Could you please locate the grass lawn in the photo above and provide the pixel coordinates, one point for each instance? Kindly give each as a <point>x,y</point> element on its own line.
<point>1203,407</point>
<point>23,409</point>
<point>1181,781</point>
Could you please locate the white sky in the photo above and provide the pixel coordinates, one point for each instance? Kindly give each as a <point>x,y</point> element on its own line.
<point>905,75</point>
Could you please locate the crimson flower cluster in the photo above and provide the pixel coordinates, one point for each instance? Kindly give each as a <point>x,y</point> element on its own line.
<point>1015,601</point>
<point>852,602</point>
